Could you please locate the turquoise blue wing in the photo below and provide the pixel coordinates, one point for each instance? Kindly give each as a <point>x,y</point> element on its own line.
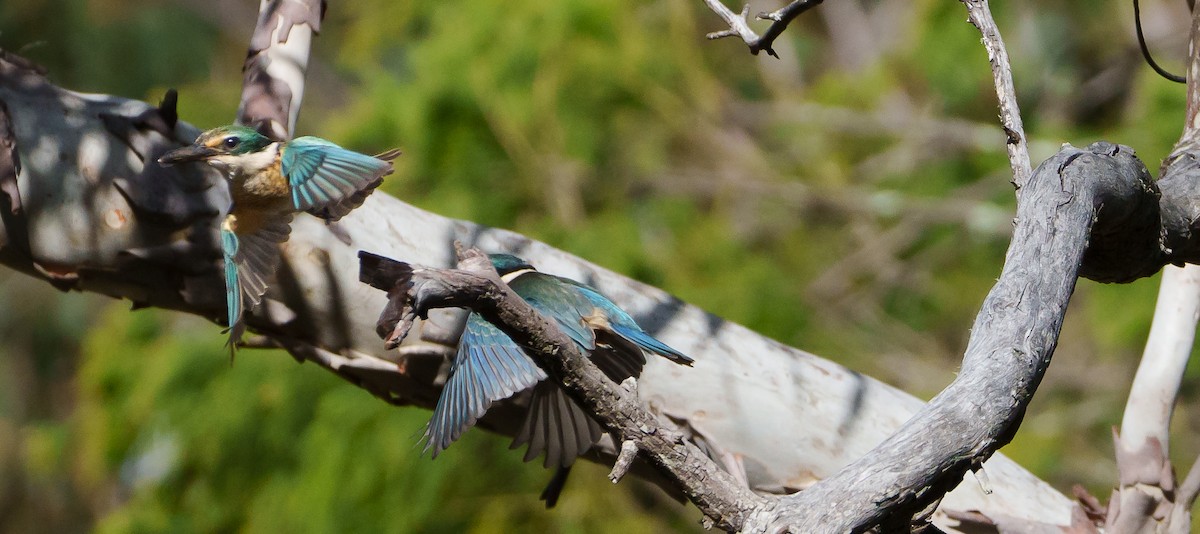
<point>250,261</point>
<point>488,367</point>
<point>328,180</point>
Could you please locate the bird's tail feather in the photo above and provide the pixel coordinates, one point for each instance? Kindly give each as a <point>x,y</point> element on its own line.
<point>555,487</point>
<point>649,343</point>
<point>557,425</point>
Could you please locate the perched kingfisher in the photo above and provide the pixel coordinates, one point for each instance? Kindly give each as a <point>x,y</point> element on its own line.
<point>269,181</point>
<point>489,366</point>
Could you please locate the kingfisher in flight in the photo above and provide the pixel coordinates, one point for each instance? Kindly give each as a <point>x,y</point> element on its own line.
<point>269,181</point>
<point>488,366</point>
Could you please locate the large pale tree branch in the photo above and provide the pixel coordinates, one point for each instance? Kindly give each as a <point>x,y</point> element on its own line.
<point>148,235</point>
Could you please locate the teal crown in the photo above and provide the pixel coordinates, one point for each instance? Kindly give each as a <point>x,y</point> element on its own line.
<point>507,263</point>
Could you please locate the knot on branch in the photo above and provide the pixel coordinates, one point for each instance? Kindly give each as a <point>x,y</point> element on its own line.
<point>629,450</point>
<point>1126,240</point>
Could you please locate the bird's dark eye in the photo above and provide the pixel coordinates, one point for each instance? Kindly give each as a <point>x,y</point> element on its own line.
<point>231,142</point>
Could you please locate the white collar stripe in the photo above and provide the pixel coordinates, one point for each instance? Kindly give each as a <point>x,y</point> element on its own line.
<point>508,278</point>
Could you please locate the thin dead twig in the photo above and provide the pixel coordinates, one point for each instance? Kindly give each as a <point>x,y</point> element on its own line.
<point>740,27</point>
<point>980,15</point>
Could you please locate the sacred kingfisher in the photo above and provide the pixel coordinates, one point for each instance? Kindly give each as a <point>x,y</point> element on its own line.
<point>489,366</point>
<point>269,181</point>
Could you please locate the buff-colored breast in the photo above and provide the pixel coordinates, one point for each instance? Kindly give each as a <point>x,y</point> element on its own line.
<point>247,221</point>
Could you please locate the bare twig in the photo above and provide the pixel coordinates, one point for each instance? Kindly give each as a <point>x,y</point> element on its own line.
<point>980,15</point>
<point>624,460</point>
<point>739,25</point>
<point>1190,140</point>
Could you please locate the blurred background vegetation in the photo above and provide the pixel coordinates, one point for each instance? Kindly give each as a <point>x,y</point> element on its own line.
<point>850,199</point>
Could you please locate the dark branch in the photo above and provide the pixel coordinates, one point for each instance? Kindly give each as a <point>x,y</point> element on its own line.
<point>474,284</point>
<point>739,25</point>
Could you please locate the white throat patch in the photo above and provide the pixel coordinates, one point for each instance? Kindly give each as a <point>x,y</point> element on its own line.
<point>247,164</point>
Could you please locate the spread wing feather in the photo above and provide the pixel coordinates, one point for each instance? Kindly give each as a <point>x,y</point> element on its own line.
<point>559,302</point>
<point>250,261</point>
<point>328,180</point>
<point>487,367</point>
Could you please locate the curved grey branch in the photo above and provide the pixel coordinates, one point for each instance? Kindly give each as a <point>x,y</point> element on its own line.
<point>1101,194</point>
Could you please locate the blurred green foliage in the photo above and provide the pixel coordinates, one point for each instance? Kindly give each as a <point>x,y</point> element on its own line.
<point>850,199</point>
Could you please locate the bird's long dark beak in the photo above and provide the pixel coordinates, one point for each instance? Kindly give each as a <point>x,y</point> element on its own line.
<point>187,153</point>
